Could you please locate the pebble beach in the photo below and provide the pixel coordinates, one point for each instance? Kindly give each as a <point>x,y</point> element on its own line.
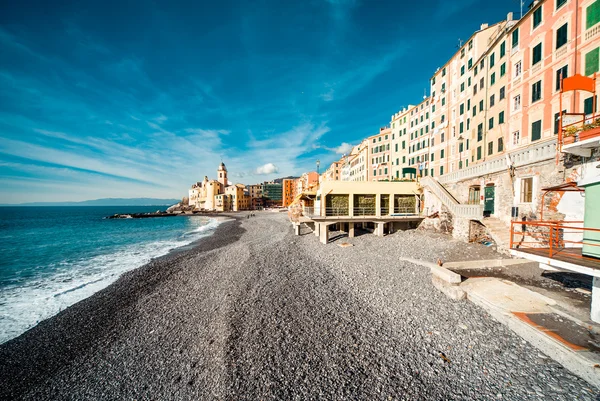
<point>255,312</point>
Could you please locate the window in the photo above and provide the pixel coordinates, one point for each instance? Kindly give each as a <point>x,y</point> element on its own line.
<point>559,3</point>
<point>588,105</point>
<point>591,60</point>
<point>442,154</point>
<point>479,153</point>
<point>526,190</point>
<point>537,54</point>
<point>444,72</point>
<point>462,109</point>
<point>474,111</point>
<point>493,79</point>
<point>462,70</point>
<point>461,127</point>
<point>592,14</point>
<point>561,36</point>
<point>460,147</point>
<point>471,46</point>
<point>515,38</point>
<point>462,87</point>
<point>501,118</point>
<point>561,72</point>
<point>474,193</point>
<point>433,108</point>
<point>475,90</point>
<point>443,101</point>
<point>502,49</point>
<point>516,137</point>
<point>481,82</point>
<point>517,103</point>
<point>462,52</point>
<point>475,72</point>
<point>537,17</point>
<point>490,148</point>
<point>441,170</point>
<point>492,100</point>
<point>480,132</point>
<point>500,144</point>
<point>492,60</point>
<point>536,130</point>
<point>470,64</point>
<point>502,93</point>
<point>491,123</point>
<point>518,69</point>
<point>536,91</point>
<point>503,69</point>
<point>481,106</point>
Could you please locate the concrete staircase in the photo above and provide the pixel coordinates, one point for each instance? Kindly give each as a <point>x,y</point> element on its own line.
<point>460,210</point>
<point>499,231</point>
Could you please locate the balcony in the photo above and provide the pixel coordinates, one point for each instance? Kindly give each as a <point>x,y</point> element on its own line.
<point>592,32</point>
<point>582,143</point>
<point>532,154</point>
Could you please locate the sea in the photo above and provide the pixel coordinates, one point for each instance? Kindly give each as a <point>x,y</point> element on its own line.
<point>53,257</point>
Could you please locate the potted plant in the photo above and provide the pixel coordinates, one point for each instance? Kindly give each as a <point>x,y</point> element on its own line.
<point>570,134</point>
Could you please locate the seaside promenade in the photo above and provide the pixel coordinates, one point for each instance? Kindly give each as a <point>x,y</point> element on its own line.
<point>255,312</point>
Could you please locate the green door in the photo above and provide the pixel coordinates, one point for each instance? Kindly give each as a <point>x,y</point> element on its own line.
<point>488,204</point>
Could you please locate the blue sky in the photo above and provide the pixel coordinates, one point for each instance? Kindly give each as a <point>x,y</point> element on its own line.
<point>143,98</point>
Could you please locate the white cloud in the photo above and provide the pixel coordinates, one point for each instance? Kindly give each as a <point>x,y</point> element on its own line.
<point>268,168</point>
<point>343,149</point>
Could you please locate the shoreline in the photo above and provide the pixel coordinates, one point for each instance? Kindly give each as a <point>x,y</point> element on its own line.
<point>256,312</point>
<point>34,356</point>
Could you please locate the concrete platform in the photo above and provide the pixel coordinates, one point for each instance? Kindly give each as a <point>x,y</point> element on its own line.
<point>534,317</point>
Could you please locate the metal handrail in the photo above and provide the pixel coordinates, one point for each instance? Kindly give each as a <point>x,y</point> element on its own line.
<point>553,236</point>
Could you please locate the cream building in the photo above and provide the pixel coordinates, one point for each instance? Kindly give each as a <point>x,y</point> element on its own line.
<point>218,194</point>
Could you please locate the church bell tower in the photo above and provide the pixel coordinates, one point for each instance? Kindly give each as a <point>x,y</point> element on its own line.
<point>222,174</point>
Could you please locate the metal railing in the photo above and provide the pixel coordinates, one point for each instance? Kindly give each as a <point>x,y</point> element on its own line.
<point>336,211</point>
<point>554,237</point>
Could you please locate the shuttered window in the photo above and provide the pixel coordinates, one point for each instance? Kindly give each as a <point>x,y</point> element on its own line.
<point>537,54</point>
<point>561,36</point>
<point>536,91</point>
<point>536,130</point>
<point>502,49</point>
<point>561,72</point>
<point>592,14</point>
<point>591,61</point>
<point>537,17</point>
<point>515,38</point>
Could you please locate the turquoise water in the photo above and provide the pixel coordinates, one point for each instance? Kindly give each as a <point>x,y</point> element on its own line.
<point>53,257</point>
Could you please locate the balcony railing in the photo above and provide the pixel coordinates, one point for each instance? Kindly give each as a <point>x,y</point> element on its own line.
<point>532,154</point>
<point>562,239</point>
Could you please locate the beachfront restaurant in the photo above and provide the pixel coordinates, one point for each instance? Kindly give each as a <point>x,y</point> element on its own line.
<point>378,206</point>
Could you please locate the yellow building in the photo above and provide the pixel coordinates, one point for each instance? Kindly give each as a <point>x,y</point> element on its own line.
<point>218,194</point>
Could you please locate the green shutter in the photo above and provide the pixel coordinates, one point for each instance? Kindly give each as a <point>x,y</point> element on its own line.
<point>591,61</point>
<point>515,37</point>
<point>502,49</point>
<point>536,130</point>
<point>593,14</point>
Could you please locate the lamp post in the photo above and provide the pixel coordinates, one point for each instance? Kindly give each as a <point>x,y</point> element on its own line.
<point>318,164</point>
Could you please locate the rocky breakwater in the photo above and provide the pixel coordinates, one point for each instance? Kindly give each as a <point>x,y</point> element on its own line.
<point>158,213</point>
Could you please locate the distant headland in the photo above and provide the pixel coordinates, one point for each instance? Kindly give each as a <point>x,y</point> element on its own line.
<point>106,202</point>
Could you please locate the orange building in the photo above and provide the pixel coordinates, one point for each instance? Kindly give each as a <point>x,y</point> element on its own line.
<point>289,191</point>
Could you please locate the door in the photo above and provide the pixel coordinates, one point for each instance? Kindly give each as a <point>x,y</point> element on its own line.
<point>488,204</point>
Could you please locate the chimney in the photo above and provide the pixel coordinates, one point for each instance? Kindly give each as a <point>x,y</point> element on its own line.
<point>484,26</point>
<point>509,16</point>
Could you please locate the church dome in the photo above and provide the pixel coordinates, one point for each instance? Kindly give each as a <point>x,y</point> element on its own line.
<point>222,166</point>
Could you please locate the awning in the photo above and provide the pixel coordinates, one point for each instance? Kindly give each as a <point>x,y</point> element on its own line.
<point>409,170</point>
